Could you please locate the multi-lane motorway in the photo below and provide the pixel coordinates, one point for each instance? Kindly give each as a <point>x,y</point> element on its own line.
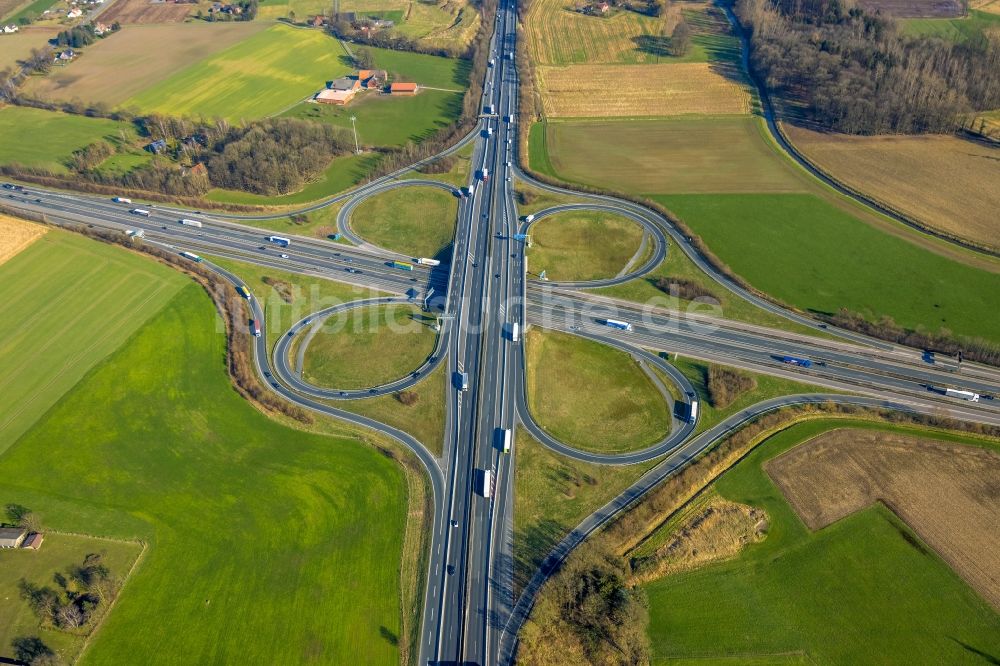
<point>470,614</point>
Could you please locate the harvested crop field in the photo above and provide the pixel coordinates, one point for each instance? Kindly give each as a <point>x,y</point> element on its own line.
<point>143,11</point>
<point>559,36</point>
<point>17,47</point>
<point>726,154</point>
<point>603,91</point>
<point>944,182</point>
<point>153,53</point>
<point>948,494</point>
<point>16,235</point>
<point>915,8</point>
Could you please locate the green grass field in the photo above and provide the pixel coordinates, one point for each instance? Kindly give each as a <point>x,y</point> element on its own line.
<point>58,552</point>
<point>583,245</point>
<point>54,136</point>
<point>675,155</point>
<point>388,120</point>
<point>432,71</point>
<point>369,346</point>
<point>856,592</point>
<point>260,76</point>
<point>591,396</point>
<point>67,303</point>
<point>262,542</point>
<point>813,255</point>
<point>678,265</point>
<point>418,221</point>
<point>963,29</point>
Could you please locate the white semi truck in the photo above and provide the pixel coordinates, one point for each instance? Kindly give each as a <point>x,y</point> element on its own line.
<point>964,395</point>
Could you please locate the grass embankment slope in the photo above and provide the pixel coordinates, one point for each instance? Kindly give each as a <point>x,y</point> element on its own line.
<point>797,594</point>
<point>583,245</point>
<point>153,53</point>
<point>262,543</point>
<point>57,554</point>
<point>944,182</point>
<point>54,136</point>
<point>367,347</point>
<point>67,303</point>
<point>259,76</point>
<point>418,221</point>
<point>592,396</point>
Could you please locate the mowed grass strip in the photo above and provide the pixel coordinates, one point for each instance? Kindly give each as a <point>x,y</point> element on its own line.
<point>58,553</point>
<point>622,91</point>
<point>817,257</point>
<point>53,137</point>
<point>128,61</point>
<point>366,347</point>
<point>67,303</point>
<point>591,396</point>
<point>800,593</point>
<point>416,220</point>
<point>667,156</point>
<point>267,544</point>
<point>944,182</point>
<point>257,77</point>
<point>583,245</point>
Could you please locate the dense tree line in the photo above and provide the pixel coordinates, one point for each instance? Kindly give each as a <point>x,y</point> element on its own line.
<point>855,72</point>
<point>78,37</point>
<point>274,156</point>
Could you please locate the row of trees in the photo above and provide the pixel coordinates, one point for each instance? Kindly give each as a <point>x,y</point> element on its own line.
<point>855,72</point>
<point>82,35</point>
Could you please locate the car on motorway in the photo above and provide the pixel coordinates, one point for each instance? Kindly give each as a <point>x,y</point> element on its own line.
<point>372,391</point>
<point>352,270</point>
<point>284,256</point>
<point>451,569</point>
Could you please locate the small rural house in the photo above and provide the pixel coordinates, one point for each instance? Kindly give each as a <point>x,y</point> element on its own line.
<point>157,146</point>
<point>372,79</point>
<point>403,88</point>
<point>12,537</point>
<point>75,12</point>
<point>33,541</point>
<point>318,21</point>
<point>339,91</point>
<point>66,56</point>
<point>10,28</point>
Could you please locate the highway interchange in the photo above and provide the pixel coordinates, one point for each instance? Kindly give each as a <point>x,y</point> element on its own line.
<point>470,612</point>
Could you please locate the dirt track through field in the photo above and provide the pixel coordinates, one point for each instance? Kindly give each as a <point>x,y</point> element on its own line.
<point>16,235</point>
<point>949,494</point>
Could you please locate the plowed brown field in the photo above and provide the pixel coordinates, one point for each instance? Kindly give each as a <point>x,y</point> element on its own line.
<point>948,494</point>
